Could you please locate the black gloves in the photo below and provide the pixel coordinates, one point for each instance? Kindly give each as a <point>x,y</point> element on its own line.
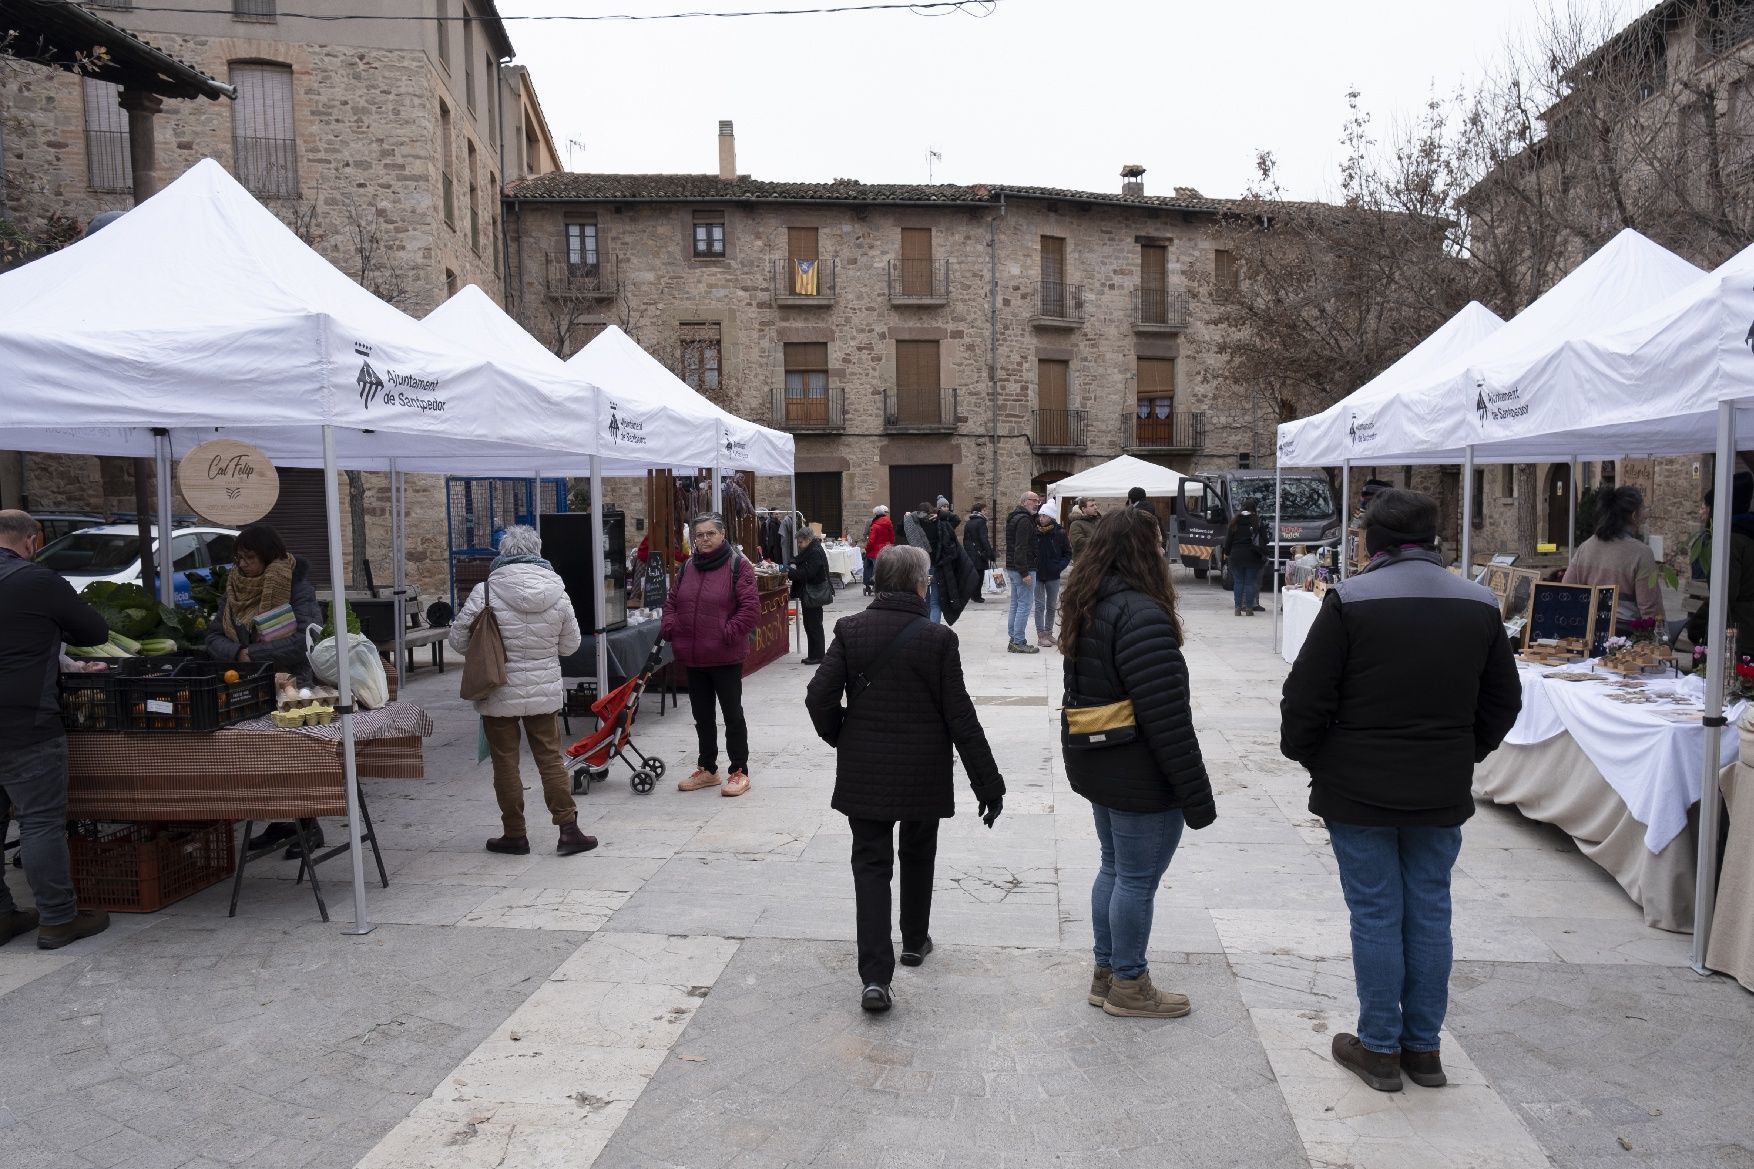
<point>990,809</point>
<point>1200,815</point>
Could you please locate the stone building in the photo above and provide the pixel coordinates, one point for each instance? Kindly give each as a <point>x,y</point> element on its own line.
<point>969,341</point>
<point>383,142</point>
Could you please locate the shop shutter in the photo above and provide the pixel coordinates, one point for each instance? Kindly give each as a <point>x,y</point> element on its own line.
<point>909,485</point>
<point>301,518</point>
<point>1051,385</point>
<point>820,500</point>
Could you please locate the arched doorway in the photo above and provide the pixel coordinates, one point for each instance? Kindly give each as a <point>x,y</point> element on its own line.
<point>1558,495</point>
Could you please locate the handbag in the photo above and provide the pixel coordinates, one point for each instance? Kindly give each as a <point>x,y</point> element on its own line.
<point>484,662</point>
<point>1088,728</point>
<point>865,677</point>
<point>818,594</point>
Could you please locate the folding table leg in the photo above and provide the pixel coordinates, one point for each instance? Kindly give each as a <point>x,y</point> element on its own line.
<point>237,882</point>
<point>371,834</point>
<point>304,851</point>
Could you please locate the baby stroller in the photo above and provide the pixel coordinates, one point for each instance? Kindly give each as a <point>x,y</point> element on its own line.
<point>589,757</point>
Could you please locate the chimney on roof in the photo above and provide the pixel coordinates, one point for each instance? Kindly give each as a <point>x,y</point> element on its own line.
<point>1132,179</point>
<point>727,152</point>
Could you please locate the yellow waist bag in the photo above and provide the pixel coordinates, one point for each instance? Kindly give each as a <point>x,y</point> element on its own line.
<point>1085,728</point>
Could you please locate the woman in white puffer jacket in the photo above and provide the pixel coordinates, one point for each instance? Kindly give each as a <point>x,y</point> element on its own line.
<point>537,624</point>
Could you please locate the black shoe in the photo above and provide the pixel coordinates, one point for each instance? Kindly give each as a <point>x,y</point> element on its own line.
<point>313,836</point>
<point>1424,1068</point>
<point>273,834</point>
<point>1381,1071</point>
<point>915,955</point>
<point>510,845</point>
<point>812,662</point>
<point>876,998</point>
<point>85,923</point>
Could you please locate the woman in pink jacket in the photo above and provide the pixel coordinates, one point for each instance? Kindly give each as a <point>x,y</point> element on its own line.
<point>707,621</point>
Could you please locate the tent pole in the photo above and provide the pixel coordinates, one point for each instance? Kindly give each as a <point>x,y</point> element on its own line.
<point>1345,515</point>
<point>719,480</point>
<point>167,585</point>
<point>344,682</point>
<point>599,590</point>
<point>398,555</point>
<point>797,610</point>
<point>1276,581</point>
<point>1705,884</point>
<point>1571,529</point>
<point>1468,513</point>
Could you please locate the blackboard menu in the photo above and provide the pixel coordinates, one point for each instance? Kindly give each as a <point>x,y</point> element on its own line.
<point>1583,612</point>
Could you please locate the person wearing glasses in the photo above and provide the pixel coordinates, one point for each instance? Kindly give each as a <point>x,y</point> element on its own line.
<point>710,614</point>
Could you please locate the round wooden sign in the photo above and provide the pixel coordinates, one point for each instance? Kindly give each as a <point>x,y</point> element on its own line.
<point>228,482</point>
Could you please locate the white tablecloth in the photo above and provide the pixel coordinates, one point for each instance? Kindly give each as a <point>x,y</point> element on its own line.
<point>846,562</point>
<point>1300,613</point>
<point>1651,762</point>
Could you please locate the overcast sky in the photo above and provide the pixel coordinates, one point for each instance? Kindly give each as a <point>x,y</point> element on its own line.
<point>1043,92</point>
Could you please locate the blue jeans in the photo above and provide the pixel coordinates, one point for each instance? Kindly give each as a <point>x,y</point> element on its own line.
<point>34,780</point>
<point>1136,850</point>
<point>1245,586</point>
<point>934,614</point>
<point>1022,601</point>
<point>1396,882</point>
<point>1047,603</point>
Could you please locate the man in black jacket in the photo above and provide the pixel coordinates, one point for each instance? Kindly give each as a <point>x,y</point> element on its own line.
<point>41,611</point>
<point>882,778</point>
<point>1405,682</point>
<point>978,542</point>
<point>1020,537</point>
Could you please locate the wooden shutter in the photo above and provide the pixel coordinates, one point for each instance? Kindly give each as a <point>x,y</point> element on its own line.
<point>908,485</point>
<point>1153,284</point>
<point>1156,405</point>
<point>917,399</point>
<point>263,135</point>
<point>801,243</point>
<point>1224,270</point>
<point>806,355</point>
<point>807,383</point>
<point>300,516</point>
<point>1156,377</point>
<point>1053,259</point>
<point>1051,386</point>
<point>109,165</point>
<point>916,261</point>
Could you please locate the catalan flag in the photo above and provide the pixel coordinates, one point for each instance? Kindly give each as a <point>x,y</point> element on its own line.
<point>804,277</point>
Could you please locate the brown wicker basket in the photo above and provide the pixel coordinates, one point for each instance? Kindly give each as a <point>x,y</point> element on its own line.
<point>141,868</point>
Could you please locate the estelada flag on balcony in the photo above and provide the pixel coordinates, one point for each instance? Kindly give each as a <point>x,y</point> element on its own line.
<point>804,277</point>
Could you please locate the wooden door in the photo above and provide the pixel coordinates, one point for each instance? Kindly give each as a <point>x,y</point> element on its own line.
<point>1153,284</point>
<point>909,485</point>
<point>820,501</point>
<point>916,261</point>
<point>1053,415</point>
<point>917,396</point>
<point>806,383</point>
<point>1053,276</point>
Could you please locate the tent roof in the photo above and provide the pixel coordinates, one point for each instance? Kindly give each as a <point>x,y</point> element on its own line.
<point>201,312</point>
<point>1113,479</point>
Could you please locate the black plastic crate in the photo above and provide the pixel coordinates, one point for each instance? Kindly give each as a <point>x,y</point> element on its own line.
<point>195,697</point>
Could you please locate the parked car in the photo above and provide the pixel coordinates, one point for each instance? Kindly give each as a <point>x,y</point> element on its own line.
<point>112,552</point>
<point>56,524</point>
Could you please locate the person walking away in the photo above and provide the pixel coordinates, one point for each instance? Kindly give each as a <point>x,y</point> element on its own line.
<point>1405,682</point>
<point>1141,770</point>
<point>954,578</point>
<point>1244,554</point>
<point>538,626</point>
<point>1741,584</point>
<point>812,590</point>
<point>896,669</point>
<point>1053,552</point>
<point>977,540</point>
<point>265,577</point>
<point>711,613</point>
<point>878,536</point>
<point>42,611</point>
<point>1020,541</point>
<point>1617,555</point>
<point>1085,515</point>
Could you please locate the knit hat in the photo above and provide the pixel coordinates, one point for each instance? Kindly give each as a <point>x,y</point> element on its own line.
<point>1050,509</point>
<point>880,509</point>
<point>1399,517</point>
<point>941,502</point>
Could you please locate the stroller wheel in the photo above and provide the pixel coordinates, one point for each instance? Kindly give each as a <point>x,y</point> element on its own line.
<point>643,782</point>
<point>656,767</point>
<point>581,781</point>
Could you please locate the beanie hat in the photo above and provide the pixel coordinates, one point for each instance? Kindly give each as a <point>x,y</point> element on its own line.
<point>1399,517</point>
<point>941,502</point>
<point>1050,509</point>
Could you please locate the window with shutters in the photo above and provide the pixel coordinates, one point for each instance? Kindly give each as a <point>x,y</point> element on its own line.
<point>1155,407</point>
<point>1055,298</point>
<point>474,205</point>
<point>469,62</point>
<point>916,261</point>
<point>108,164</point>
<point>807,383</point>
<point>446,165</point>
<point>1224,277</point>
<point>1153,284</point>
<point>264,140</point>
<point>918,401</point>
<point>702,355</point>
<point>709,235</point>
<point>444,33</point>
<point>257,10</point>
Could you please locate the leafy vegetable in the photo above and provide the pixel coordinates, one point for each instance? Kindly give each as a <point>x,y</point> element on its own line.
<point>328,629</point>
<point>135,614</point>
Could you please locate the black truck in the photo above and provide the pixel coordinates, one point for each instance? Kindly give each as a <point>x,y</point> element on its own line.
<point>1205,505</point>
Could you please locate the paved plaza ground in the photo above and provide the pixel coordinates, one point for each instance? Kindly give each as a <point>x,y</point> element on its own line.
<point>685,996</point>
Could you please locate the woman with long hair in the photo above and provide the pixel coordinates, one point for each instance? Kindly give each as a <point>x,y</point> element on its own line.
<point>1142,772</point>
<point>1617,555</point>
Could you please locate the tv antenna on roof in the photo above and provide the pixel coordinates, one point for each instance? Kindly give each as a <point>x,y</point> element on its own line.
<point>572,145</point>
<point>932,156</point>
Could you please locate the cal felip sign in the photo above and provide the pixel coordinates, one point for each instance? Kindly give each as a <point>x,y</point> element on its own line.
<point>228,482</point>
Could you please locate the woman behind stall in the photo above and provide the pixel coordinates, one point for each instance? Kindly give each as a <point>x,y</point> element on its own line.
<point>1616,556</point>
<point>809,572</point>
<point>266,577</point>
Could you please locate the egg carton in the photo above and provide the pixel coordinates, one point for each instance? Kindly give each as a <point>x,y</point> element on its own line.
<point>327,695</point>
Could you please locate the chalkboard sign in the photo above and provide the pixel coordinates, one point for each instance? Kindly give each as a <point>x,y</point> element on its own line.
<point>1583,612</point>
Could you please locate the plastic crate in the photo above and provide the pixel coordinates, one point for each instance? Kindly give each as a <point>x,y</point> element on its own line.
<point>195,698</point>
<point>141,868</point>
<point>93,702</point>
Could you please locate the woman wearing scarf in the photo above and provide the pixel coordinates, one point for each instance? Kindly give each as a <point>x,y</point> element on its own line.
<point>537,624</point>
<point>710,614</point>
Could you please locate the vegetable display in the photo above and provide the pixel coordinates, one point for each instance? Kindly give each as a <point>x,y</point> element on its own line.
<point>140,625</point>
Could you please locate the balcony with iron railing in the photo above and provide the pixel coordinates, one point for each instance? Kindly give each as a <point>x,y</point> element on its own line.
<point>817,409</point>
<point>1058,305</point>
<point>1158,310</point>
<point>593,281</point>
<point>803,283</point>
<point>919,282</point>
<point>919,411</point>
<point>1057,431</point>
<point>267,167</point>
<point>1179,431</point>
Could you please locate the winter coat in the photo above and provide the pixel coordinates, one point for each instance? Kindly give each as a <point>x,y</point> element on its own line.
<point>879,536</point>
<point>958,580</point>
<point>1020,540</point>
<point>977,540</point>
<point>1081,529</point>
<point>711,614</point>
<point>42,611</point>
<point>538,626</point>
<point>1242,546</point>
<point>1053,552</point>
<point>1741,590</point>
<point>914,531</point>
<point>808,568</point>
<point>892,758</point>
<point>1405,682</point>
<point>1127,648</point>
<point>287,653</point>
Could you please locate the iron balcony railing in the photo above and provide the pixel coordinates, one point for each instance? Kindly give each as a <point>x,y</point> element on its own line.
<point>267,167</point>
<point>803,282</point>
<point>924,411</point>
<point>1160,307</point>
<point>1058,301</point>
<point>1058,430</point>
<point>1177,431</point>
<point>809,409</point>
<point>588,281</point>
<point>919,280</point>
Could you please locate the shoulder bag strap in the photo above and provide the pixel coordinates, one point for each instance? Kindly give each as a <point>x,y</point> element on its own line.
<point>864,677</point>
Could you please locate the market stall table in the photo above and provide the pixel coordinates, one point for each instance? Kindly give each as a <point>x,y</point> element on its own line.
<point>845,561</point>
<point>1732,933</point>
<point>628,648</point>
<point>1620,778</point>
<point>771,637</point>
<point>1300,608</point>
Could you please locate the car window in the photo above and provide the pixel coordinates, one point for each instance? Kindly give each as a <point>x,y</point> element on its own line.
<point>221,548</point>
<point>92,553</point>
<point>186,553</point>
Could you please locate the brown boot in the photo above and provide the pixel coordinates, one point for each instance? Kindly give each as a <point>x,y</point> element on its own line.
<point>1381,1071</point>
<point>16,921</point>
<point>1099,984</point>
<point>1424,1068</point>
<point>573,842</point>
<point>1136,998</point>
<point>83,925</point>
<point>510,845</point>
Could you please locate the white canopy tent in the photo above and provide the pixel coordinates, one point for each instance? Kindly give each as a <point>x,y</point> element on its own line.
<point>198,314</point>
<point>1113,479</point>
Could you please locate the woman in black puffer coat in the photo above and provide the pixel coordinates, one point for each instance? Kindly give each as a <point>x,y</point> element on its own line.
<point>1122,641</point>
<point>810,567</point>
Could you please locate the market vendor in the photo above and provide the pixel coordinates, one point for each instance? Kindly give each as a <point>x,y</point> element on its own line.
<point>1617,555</point>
